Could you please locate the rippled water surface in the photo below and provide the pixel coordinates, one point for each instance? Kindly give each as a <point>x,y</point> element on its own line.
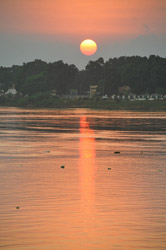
<point>110,194</point>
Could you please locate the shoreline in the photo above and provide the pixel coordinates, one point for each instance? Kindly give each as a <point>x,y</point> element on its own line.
<point>140,106</point>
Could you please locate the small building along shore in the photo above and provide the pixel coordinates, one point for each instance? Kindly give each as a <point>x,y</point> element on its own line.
<point>12,90</point>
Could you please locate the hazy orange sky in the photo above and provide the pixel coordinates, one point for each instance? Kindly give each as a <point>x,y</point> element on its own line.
<point>63,23</point>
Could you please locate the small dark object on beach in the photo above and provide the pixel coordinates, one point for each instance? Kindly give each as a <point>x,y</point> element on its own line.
<point>109,168</point>
<point>116,152</point>
<point>17,207</point>
<point>62,166</point>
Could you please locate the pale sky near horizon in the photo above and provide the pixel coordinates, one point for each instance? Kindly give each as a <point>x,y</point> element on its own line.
<point>52,30</point>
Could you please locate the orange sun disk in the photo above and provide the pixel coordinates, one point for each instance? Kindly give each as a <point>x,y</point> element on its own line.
<point>88,47</point>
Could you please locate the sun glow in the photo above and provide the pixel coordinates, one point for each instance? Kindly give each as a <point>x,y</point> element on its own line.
<point>88,47</point>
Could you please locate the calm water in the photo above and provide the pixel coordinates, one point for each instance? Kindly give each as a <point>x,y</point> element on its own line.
<point>84,206</point>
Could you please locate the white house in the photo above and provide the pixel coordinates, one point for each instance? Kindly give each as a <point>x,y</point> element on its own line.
<point>12,90</point>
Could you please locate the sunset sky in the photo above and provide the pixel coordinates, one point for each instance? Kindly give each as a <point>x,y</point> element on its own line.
<point>52,30</point>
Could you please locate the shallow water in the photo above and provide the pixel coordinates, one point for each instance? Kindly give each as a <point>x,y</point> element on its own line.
<point>85,205</point>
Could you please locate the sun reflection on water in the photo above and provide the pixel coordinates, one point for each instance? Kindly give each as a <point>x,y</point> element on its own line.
<point>87,165</point>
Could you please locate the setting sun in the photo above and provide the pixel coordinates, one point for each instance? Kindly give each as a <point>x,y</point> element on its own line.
<point>88,47</point>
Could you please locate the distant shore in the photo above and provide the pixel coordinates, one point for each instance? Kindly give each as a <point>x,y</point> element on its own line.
<point>30,102</point>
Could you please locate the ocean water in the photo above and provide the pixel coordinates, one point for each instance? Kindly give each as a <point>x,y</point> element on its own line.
<point>81,179</point>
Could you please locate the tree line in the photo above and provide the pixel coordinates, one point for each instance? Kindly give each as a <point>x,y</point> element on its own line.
<point>141,74</point>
